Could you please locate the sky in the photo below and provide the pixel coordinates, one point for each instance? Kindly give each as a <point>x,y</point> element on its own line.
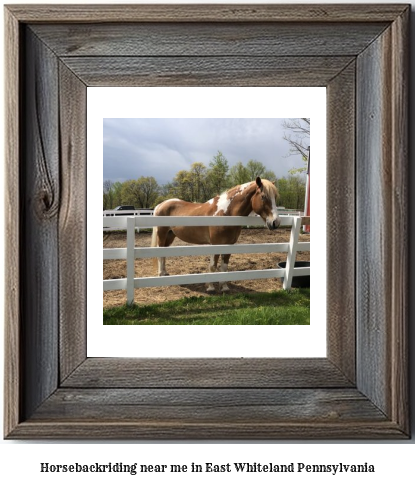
<point>162,147</point>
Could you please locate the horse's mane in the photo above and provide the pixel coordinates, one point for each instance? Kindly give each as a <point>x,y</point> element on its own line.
<point>269,188</point>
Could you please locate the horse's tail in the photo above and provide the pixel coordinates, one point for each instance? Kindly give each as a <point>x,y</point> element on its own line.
<point>154,244</point>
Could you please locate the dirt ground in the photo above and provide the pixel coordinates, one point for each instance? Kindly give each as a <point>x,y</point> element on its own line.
<point>196,264</point>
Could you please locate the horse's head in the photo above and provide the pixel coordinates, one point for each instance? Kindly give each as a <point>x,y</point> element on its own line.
<point>264,204</point>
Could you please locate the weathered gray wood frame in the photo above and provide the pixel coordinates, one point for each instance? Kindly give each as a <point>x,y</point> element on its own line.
<point>359,52</point>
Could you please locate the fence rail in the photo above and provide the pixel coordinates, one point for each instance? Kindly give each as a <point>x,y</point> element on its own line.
<point>114,214</point>
<point>130,253</point>
<point>136,212</point>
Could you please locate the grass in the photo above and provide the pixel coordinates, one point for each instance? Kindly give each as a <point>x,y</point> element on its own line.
<point>276,308</point>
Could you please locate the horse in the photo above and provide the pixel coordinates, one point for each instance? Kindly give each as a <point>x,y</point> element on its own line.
<point>256,197</point>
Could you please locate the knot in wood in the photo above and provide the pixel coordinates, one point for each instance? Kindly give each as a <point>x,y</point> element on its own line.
<point>46,206</point>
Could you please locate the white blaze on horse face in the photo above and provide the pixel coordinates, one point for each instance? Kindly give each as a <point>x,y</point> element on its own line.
<point>223,203</point>
<point>274,209</point>
<point>274,217</point>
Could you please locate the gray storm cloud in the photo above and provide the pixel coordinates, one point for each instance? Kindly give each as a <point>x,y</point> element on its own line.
<point>162,147</point>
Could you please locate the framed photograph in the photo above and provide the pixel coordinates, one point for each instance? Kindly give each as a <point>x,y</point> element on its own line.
<point>157,151</point>
<point>359,390</point>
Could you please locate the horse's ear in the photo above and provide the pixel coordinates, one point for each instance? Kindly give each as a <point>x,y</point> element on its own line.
<point>258,182</point>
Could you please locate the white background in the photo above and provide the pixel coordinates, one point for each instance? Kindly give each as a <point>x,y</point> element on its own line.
<point>206,341</point>
<point>20,461</point>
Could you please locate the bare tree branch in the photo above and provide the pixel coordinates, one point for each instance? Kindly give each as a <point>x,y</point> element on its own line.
<point>297,136</point>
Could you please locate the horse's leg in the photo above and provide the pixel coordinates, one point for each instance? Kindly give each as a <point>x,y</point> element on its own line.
<point>224,268</point>
<point>165,237</point>
<point>212,269</point>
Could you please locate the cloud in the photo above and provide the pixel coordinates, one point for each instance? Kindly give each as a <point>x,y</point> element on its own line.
<point>162,147</point>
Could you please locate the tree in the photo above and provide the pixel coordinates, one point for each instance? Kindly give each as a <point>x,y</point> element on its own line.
<point>292,192</point>
<point>117,196</point>
<point>269,175</point>
<point>198,174</point>
<point>130,193</point>
<point>112,194</point>
<point>142,193</point>
<point>183,185</point>
<point>238,175</point>
<point>218,173</point>
<point>255,168</point>
<point>108,200</point>
<point>298,137</point>
<point>107,186</point>
<point>149,191</point>
<point>166,192</point>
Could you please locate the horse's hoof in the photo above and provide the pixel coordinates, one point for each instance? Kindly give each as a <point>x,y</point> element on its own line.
<point>210,290</point>
<point>164,274</point>
<point>224,289</point>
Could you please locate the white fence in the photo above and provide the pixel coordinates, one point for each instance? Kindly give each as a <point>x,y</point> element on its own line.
<point>138,212</point>
<point>149,211</point>
<point>130,253</point>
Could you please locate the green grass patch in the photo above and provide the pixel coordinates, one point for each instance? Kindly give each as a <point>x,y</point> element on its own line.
<point>276,308</point>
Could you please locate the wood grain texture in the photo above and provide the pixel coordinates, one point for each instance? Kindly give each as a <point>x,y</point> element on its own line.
<point>39,217</point>
<point>341,235</point>
<point>206,373</point>
<point>206,71</point>
<point>209,414</point>
<point>189,430</point>
<point>72,222</point>
<point>12,371</point>
<point>382,248</point>
<point>373,246</point>
<point>226,39</point>
<point>400,245</point>
<point>212,405</point>
<point>207,13</point>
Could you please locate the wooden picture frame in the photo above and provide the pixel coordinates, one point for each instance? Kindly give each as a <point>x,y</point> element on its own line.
<point>360,53</point>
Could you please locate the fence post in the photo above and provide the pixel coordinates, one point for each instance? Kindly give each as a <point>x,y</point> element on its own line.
<point>292,252</point>
<point>130,259</point>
